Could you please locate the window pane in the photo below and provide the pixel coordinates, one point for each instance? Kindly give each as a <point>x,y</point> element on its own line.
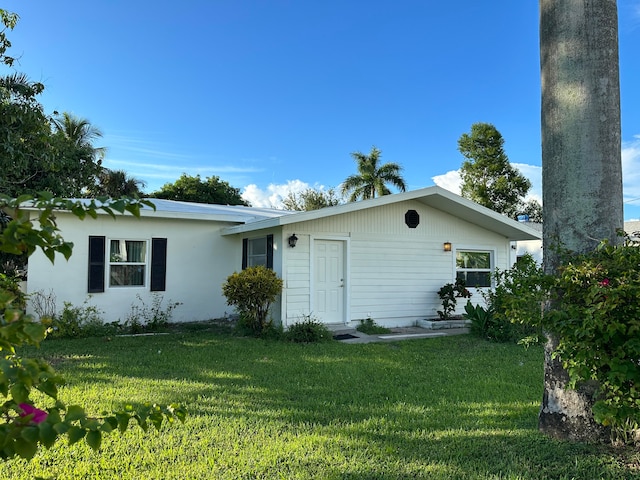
<point>136,251</point>
<point>255,261</point>
<point>258,246</point>
<point>257,252</point>
<point>129,251</point>
<point>467,259</point>
<point>475,279</point>
<point>126,275</point>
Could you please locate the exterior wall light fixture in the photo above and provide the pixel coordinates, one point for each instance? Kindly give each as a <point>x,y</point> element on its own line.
<point>447,246</point>
<point>293,240</point>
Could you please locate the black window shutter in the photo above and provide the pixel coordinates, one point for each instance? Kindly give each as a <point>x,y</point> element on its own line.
<point>270,251</point>
<point>96,264</point>
<point>245,250</point>
<point>158,264</point>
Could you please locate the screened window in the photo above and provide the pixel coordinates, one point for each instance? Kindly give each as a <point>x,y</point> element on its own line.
<point>474,267</point>
<point>127,263</point>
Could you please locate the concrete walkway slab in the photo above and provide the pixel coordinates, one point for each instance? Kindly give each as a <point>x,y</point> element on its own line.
<point>396,334</point>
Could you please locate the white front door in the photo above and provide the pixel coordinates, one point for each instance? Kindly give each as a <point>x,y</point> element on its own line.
<point>328,278</point>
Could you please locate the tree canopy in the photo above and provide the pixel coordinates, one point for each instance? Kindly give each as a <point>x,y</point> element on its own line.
<point>117,183</point>
<point>372,178</point>
<point>487,176</point>
<point>38,153</point>
<point>188,188</point>
<point>310,199</point>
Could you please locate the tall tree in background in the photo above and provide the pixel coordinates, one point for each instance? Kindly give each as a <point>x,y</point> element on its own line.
<point>372,178</point>
<point>81,133</point>
<point>487,176</point>
<point>36,154</point>
<point>193,189</point>
<point>581,168</point>
<point>310,199</point>
<point>116,184</point>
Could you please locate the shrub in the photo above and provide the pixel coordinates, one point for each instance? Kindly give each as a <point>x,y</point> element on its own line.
<point>481,319</point>
<point>150,318</point>
<point>82,321</point>
<point>370,327</point>
<point>44,304</point>
<point>308,330</point>
<point>595,315</point>
<point>449,293</point>
<point>516,303</point>
<point>252,291</point>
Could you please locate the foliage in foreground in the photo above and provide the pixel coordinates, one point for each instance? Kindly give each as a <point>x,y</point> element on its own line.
<point>594,313</point>
<point>26,427</point>
<point>442,408</point>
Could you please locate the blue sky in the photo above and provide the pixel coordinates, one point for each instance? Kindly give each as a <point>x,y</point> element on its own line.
<point>273,95</point>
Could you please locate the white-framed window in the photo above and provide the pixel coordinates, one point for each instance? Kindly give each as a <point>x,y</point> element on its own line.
<point>127,263</point>
<point>474,267</point>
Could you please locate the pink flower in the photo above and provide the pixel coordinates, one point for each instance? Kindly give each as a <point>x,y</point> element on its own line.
<point>604,283</point>
<point>39,416</point>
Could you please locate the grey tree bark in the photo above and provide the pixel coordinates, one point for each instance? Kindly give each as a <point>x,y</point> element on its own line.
<point>581,168</point>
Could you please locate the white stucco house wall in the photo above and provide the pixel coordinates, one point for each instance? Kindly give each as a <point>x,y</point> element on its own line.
<point>383,258</point>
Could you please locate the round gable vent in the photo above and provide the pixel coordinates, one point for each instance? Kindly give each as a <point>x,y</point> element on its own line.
<point>412,219</point>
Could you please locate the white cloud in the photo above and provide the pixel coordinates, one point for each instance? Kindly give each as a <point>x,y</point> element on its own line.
<point>451,180</point>
<point>273,195</point>
<point>631,171</point>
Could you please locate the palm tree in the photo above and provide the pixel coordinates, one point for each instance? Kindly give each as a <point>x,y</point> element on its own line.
<point>80,132</point>
<point>117,183</point>
<point>581,169</point>
<point>372,178</point>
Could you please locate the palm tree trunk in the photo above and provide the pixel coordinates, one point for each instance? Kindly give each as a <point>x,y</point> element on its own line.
<point>581,167</point>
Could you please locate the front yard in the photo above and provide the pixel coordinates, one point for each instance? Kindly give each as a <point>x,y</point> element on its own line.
<point>443,408</point>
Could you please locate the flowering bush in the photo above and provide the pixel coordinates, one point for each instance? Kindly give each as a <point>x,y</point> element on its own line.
<point>25,427</point>
<point>596,315</point>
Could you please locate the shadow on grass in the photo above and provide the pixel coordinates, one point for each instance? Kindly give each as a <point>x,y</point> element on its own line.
<point>452,407</point>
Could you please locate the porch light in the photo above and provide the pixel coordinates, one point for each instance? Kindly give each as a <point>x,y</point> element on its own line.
<point>293,240</point>
<point>447,246</point>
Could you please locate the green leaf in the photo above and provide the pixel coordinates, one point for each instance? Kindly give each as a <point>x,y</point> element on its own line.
<point>76,434</point>
<point>19,392</point>
<point>108,425</point>
<point>94,439</point>
<point>35,331</point>
<point>123,421</point>
<point>25,449</point>
<point>30,434</point>
<point>49,388</point>
<point>48,434</point>
<point>61,428</point>
<point>74,412</point>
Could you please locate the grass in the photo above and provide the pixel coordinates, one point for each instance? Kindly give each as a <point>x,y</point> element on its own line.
<point>443,408</point>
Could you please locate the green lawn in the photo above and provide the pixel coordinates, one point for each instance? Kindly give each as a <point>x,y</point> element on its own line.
<point>454,407</point>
